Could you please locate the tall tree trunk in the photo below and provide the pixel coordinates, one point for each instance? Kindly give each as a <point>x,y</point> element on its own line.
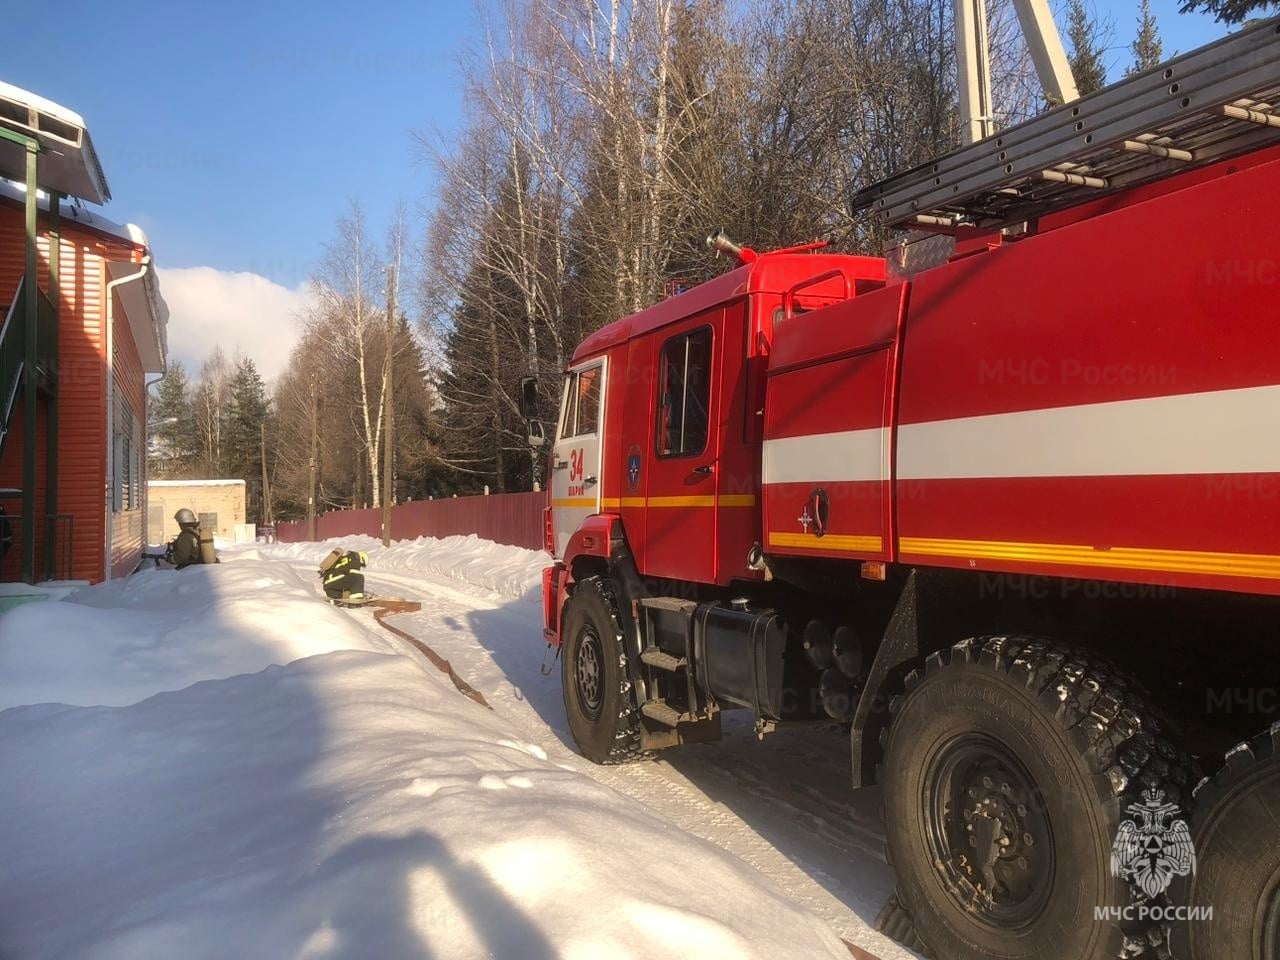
<point>372,422</point>
<point>499,458</point>
<point>313,462</point>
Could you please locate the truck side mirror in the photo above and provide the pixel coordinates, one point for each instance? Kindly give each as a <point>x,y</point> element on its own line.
<point>529,398</point>
<point>537,436</point>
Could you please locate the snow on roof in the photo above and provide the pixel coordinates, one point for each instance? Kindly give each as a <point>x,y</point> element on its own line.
<point>148,312</point>
<point>195,483</point>
<point>68,162</point>
<point>144,308</point>
<point>37,102</point>
<point>72,212</point>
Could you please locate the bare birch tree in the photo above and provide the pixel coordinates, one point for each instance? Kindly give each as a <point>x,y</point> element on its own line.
<point>346,320</point>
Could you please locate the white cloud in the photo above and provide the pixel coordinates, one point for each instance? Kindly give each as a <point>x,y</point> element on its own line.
<point>244,311</point>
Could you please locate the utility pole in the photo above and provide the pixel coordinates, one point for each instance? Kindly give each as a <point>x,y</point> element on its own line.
<point>313,461</point>
<point>388,409</point>
<point>973,60</point>
<point>266,483</point>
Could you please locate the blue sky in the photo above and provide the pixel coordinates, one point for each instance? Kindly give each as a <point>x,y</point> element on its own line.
<point>235,133</point>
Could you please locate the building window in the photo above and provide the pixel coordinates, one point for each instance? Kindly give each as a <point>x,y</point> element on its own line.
<point>126,482</point>
<point>684,394</point>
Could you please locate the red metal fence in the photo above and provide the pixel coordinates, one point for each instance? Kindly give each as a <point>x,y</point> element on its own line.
<point>512,518</point>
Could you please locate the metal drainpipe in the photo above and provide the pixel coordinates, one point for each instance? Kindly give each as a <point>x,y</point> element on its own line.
<point>111,408</point>
<point>146,457</point>
<point>31,330</point>
<point>52,402</point>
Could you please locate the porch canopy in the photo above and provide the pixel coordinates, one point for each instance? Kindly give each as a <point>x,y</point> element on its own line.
<point>68,163</point>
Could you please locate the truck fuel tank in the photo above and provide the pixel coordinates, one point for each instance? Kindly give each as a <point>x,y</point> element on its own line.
<point>744,659</point>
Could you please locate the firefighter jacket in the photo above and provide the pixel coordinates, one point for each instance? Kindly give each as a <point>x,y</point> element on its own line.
<point>340,573</point>
<point>185,549</point>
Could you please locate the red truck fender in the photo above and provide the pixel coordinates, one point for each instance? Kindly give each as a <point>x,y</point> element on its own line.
<point>592,539</point>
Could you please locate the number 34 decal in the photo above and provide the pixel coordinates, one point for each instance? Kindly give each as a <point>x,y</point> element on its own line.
<point>577,462</point>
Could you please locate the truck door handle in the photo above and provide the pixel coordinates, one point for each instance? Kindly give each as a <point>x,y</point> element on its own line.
<point>589,481</point>
<point>559,464</point>
<point>706,468</point>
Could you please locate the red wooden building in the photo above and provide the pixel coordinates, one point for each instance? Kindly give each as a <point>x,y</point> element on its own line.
<point>74,359</point>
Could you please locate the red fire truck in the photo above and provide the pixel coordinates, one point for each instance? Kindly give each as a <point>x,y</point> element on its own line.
<point>1006,502</point>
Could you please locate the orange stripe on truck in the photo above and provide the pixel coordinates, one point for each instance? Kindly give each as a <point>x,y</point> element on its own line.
<point>832,542</point>
<point>707,500</point>
<point>1265,566</point>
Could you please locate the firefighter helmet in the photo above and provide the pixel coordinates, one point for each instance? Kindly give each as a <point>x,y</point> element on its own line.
<point>185,518</point>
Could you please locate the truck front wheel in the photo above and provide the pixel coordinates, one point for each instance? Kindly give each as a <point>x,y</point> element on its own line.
<point>1009,767</point>
<point>599,699</point>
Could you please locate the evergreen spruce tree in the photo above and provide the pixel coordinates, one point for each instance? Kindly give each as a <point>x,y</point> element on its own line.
<point>172,427</point>
<point>1085,38</point>
<point>246,413</point>
<point>1147,49</point>
<point>1230,11</point>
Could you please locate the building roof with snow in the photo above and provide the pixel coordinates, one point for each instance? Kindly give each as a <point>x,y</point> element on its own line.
<point>195,483</point>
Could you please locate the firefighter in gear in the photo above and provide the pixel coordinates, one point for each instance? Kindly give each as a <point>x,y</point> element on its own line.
<point>185,548</point>
<point>341,576</point>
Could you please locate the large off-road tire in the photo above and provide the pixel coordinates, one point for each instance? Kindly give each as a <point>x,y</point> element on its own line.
<point>1009,765</point>
<point>1236,832</point>
<point>599,699</point>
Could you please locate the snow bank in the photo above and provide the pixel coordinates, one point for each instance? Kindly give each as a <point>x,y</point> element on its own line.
<point>509,571</point>
<point>166,630</point>
<point>347,804</point>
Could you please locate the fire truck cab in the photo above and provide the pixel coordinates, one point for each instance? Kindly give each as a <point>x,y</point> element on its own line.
<point>663,419</point>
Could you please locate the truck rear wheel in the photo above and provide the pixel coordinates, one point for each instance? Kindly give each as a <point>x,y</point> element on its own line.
<point>1009,765</point>
<point>599,699</point>
<point>1237,843</point>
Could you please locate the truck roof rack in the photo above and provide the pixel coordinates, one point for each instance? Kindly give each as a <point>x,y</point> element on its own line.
<point>1219,101</point>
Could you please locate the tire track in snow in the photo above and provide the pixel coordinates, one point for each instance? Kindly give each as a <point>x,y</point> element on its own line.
<point>783,806</point>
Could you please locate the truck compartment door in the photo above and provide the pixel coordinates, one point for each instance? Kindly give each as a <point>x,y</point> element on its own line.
<point>828,449</point>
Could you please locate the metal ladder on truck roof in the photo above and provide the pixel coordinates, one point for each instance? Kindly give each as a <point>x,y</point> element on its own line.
<point>1213,103</point>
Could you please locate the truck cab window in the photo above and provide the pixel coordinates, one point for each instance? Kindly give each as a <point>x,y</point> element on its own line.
<point>588,388</point>
<point>582,403</point>
<point>684,394</point>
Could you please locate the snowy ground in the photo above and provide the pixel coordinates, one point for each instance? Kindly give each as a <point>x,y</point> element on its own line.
<point>214,762</point>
